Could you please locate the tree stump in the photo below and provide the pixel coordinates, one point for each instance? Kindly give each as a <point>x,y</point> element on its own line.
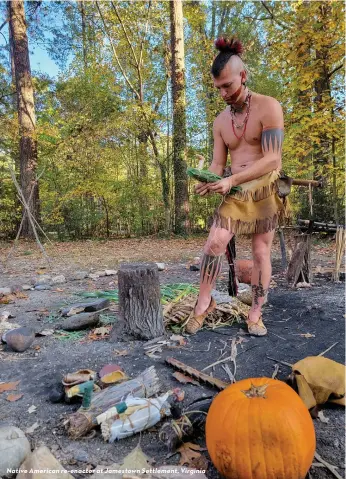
<point>140,300</point>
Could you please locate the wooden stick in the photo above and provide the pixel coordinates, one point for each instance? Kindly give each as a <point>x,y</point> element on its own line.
<point>23,217</point>
<point>330,347</point>
<point>317,184</point>
<point>217,362</point>
<point>281,362</point>
<point>283,249</point>
<point>340,246</point>
<point>214,382</point>
<point>330,467</point>
<point>30,216</point>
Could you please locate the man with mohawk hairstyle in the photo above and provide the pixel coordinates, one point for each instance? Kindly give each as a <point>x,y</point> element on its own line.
<point>251,129</point>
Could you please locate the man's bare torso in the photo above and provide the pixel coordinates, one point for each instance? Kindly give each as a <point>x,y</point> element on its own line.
<point>247,150</point>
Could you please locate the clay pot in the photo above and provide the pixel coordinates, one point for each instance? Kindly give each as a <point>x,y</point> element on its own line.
<point>243,270</point>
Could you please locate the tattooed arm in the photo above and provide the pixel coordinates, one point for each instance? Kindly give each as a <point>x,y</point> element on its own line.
<point>271,142</point>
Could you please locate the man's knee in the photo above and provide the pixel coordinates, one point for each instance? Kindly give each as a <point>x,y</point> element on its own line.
<point>217,242</point>
<point>261,254</point>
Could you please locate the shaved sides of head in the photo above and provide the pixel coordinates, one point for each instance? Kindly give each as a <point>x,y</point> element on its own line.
<point>229,51</point>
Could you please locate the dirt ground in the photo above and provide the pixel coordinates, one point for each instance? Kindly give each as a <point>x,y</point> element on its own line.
<point>288,315</point>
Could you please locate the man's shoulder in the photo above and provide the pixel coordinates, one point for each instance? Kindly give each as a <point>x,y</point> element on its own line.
<point>270,111</point>
<point>220,117</point>
<point>268,101</point>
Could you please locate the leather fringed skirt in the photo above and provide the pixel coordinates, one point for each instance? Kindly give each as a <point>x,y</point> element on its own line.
<point>257,208</point>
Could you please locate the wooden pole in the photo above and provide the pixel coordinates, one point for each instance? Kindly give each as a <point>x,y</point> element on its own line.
<point>283,249</point>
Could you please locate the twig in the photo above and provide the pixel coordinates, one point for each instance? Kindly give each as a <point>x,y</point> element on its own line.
<point>217,362</point>
<point>276,370</point>
<point>203,350</point>
<point>226,368</point>
<point>330,347</point>
<point>330,467</point>
<point>281,362</point>
<point>271,332</point>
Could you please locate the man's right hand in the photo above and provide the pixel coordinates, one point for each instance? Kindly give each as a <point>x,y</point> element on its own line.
<point>202,189</point>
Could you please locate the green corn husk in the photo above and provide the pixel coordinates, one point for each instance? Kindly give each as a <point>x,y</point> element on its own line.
<point>206,176</point>
<point>169,292</point>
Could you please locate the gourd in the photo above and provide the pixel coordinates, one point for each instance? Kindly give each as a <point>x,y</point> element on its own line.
<point>259,428</point>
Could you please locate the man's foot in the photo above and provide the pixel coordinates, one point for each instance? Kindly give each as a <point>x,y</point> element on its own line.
<point>256,328</point>
<point>195,322</point>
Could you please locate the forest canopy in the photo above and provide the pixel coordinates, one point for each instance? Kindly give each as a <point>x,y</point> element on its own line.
<point>109,153</point>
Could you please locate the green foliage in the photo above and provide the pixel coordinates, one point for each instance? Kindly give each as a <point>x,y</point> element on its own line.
<point>104,126</point>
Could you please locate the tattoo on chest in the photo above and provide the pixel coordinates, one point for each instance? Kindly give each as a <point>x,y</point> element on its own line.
<point>258,291</point>
<point>272,139</point>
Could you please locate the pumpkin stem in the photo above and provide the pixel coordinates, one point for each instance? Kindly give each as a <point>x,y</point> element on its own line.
<point>256,391</point>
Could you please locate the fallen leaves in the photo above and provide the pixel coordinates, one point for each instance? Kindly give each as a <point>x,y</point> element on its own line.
<point>322,417</point>
<point>191,457</point>
<point>8,386</point>
<point>32,428</point>
<point>10,298</point>
<point>136,459</point>
<point>99,333</point>
<point>118,352</point>
<point>14,397</point>
<point>307,335</point>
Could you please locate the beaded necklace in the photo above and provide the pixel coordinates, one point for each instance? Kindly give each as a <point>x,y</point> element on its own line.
<point>247,114</point>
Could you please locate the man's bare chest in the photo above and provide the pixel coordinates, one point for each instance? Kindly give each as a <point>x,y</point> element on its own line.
<point>233,136</point>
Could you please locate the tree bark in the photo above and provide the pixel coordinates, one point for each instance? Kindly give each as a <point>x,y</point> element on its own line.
<point>26,113</point>
<point>140,300</point>
<point>181,203</point>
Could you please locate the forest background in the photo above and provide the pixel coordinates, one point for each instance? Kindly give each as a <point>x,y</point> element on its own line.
<point>101,149</point>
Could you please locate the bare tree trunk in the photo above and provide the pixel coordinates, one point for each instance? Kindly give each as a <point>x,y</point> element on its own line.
<point>179,118</point>
<point>82,12</point>
<point>26,113</point>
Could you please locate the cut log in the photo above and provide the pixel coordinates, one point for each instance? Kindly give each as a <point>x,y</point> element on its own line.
<point>140,300</point>
<point>145,385</point>
<point>80,321</point>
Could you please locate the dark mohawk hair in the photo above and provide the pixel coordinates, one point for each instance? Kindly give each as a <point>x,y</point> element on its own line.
<point>227,49</point>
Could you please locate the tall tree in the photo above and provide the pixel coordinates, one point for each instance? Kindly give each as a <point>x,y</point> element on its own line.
<point>26,113</point>
<point>179,118</point>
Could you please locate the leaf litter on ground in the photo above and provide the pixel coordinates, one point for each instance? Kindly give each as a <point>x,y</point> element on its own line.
<point>8,386</point>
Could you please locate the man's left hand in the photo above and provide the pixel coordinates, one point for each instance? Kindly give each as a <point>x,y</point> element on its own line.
<point>222,186</point>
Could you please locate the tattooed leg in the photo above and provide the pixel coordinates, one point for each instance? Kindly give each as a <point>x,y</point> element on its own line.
<point>211,265</point>
<point>210,268</point>
<point>259,294</point>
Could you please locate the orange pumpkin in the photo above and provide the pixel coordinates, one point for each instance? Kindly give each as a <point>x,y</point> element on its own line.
<point>260,429</point>
<point>243,270</point>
